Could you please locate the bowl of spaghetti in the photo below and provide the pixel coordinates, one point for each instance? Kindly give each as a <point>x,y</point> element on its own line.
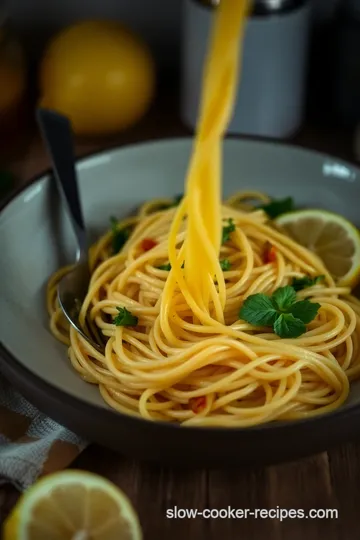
<point>232,393</point>
<point>229,312</point>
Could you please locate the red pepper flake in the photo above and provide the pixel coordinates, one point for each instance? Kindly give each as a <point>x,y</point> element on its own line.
<point>270,253</point>
<point>148,243</point>
<point>197,404</point>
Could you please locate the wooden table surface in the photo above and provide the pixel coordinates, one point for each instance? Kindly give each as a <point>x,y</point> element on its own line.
<point>327,481</point>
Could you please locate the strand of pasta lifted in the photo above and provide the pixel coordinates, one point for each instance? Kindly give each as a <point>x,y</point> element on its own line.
<point>213,315</point>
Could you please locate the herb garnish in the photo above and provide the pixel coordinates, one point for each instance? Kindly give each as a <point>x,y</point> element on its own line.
<point>227,230</point>
<point>281,311</point>
<point>276,207</point>
<point>166,267</point>
<point>120,236</point>
<point>225,265</point>
<point>125,318</point>
<point>303,283</point>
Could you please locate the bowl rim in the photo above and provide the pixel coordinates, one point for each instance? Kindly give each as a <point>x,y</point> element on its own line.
<point>34,382</point>
<point>266,141</point>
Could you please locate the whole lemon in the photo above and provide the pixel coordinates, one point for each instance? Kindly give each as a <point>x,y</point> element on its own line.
<point>100,74</point>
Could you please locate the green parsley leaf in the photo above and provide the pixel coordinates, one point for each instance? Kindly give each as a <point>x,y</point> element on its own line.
<point>284,297</point>
<point>225,265</point>
<point>259,310</point>
<point>227,230</point>
<point>278,206</point>
<point>120,236</point>
<point>281,311</point>
<point>304,310</point>
<point>287,326</point>
<point>166,267</point>
<point>303,283</point>
<point>125,318</point>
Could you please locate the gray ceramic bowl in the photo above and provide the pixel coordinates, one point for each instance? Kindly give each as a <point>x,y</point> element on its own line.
<point>36,239</point>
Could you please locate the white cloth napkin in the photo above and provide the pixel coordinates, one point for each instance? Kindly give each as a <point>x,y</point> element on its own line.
<point>31,444</point>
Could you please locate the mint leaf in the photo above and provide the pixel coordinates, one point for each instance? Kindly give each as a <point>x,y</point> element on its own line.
<point>125,318</point>
<point>287,326</point>
<point>277,207</point>
<point>225,265</point>
<point>227,230</point>
<point>258,310</point>
<point>120,236</point>
<point>303,283</point>
<point>284,297</point>
<point>281,311</point>
<point>166,267</point>
<point>304,310</point>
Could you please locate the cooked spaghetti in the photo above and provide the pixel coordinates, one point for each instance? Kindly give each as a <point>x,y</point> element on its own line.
<point>169,300</point>
<point>175,366</point>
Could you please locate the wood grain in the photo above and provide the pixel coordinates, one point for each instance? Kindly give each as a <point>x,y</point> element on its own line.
<point>328,480</point>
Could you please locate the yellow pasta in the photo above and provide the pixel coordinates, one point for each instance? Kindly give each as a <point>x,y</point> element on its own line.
<point>173,366</point>
<point>189,358</point>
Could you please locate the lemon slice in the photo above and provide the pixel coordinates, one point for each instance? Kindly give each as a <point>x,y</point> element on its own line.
<point>333,238</point>
<point>73,505</point>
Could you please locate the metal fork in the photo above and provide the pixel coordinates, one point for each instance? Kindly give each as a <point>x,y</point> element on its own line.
<point>72,289</point>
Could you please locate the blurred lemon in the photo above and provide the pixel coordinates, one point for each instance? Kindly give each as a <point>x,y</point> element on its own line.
<point>73,505</point>
<point>99,74</point>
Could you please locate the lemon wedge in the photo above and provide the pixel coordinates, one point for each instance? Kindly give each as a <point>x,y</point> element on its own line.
<point>73,505</point>
<point>333,238</point>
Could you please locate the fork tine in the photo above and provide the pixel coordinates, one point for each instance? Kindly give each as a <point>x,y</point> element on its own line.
<point>96,334</point>
<point>88,332</point>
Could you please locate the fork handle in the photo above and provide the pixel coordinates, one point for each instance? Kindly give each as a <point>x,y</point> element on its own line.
<point>57,135</point>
